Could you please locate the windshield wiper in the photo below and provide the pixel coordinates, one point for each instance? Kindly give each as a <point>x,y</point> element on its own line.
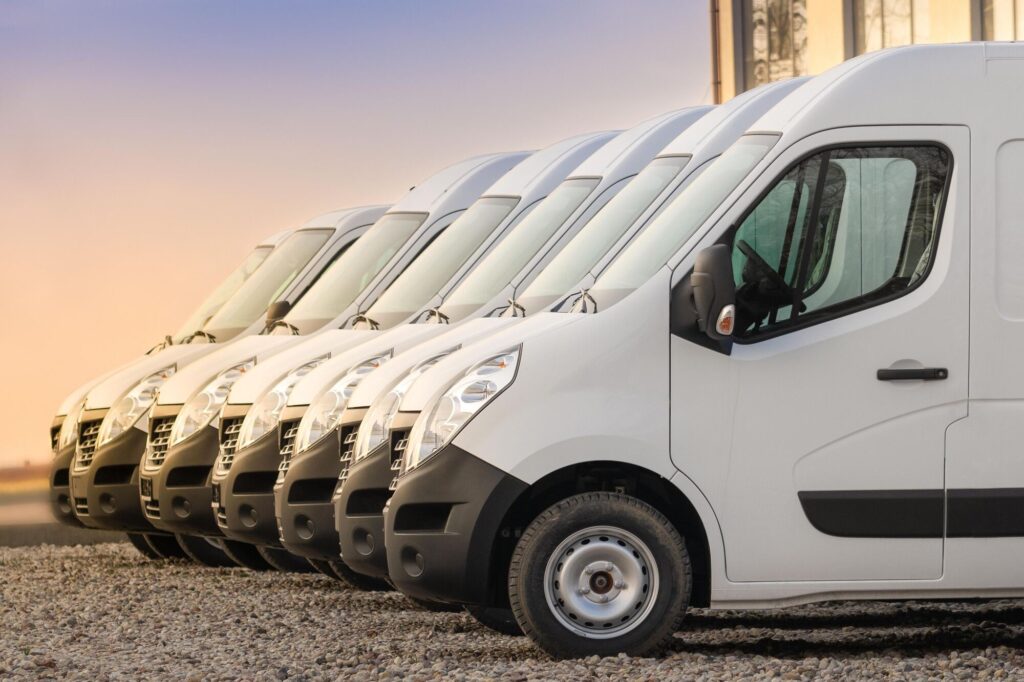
<point>199,333</point>
<point>435,313</point>
<point>167,342</point>
<point>517,309</point>
<point>288,325</point>
<point>363,317</point>
<point>580,304</point>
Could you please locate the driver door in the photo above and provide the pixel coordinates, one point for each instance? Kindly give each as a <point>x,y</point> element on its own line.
<point>852,260</point>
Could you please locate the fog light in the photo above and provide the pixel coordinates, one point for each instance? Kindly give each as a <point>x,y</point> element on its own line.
<point>363,541</point>
<point>412,562</point>
<point>64,504</point>
<point>304,527</point>
<point>248,516</point>
<point>182,507</point>
<point>107,503</point>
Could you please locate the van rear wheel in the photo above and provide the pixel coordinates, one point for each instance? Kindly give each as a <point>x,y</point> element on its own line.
<point>600,574</point>
<point>138,541</point>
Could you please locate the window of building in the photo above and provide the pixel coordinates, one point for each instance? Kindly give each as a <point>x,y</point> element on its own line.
<point>1002,19</point>
<point>844,229</point>
<point>775,40</point>
<point>890,23</point>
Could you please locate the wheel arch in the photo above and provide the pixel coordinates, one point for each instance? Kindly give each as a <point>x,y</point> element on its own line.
<point>610,476</point>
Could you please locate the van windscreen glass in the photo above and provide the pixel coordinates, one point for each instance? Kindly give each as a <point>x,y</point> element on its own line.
<point>346,277</point>
<point>682,218</point>
<point>494,271</point>
<point>599,235</point>
<point>222,293</point>
<point>439,262</point>
<point>272,279</point>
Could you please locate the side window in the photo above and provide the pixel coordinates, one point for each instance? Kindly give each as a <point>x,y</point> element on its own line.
<point>840,230</point>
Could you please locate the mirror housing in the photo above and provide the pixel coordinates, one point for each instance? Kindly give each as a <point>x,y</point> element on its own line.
<point>277,310</point>
<point>714,292</point>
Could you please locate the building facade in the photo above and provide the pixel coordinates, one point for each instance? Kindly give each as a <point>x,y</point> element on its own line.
<point>759,41</point>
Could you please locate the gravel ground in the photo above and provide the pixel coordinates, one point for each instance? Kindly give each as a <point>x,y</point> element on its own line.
<point>104,613</point>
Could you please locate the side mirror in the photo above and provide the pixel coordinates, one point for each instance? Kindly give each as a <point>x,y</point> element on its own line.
<point>277,310</point>
<point>714,292</point>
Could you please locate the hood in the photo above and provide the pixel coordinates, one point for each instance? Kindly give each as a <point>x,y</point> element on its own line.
<point>396,339</point>
<point>260,379</point>
<point>405,359</point>
<point>187,382</point>
<point>107,392</point>
<point>438,377</point>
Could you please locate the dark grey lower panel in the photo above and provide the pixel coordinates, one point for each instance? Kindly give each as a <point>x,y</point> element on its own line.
<point>957,513</point>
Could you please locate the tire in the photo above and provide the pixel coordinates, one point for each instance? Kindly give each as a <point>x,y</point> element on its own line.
<point>203,551</point>
<point>434,606</point>
<point>139,542</point>
<point>324,567</point>
<point>639,585</point>
<point>282,560</point>
<point>245,555</point>
<point>358,581</point>
<point>497,619</point>
<point>166,546</point>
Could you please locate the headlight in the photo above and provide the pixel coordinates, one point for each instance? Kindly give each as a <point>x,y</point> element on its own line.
<point>323,416</point>
<point>200,410</point>
<point>467,396</point>
<point>375,425</point>
<point>262,417</point>
<point>68,433</point>
<point>132,406</point>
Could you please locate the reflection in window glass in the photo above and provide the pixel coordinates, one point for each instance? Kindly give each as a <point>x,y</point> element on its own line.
<point>269,281</point>
<point>439,262</point>
<point>842,228</point>
<point>495,270</point>
<point>594,240</point>
<point>890,23</point>
<point>660,241</point>
<point>222,293</point>
<point>346,277</point>
<point>1002,19</point>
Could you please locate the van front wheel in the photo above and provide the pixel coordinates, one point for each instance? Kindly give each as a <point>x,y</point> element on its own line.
<point>600,574</point>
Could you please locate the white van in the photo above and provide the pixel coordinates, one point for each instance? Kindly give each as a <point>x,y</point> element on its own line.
<point>64,435</point>
<point>113,419</point>
<point>350,284</point>
<point>767,401</point>
<point>304,507</point>
<point>375,443</point>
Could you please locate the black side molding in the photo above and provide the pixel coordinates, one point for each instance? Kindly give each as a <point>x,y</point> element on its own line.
<point>956,513</point>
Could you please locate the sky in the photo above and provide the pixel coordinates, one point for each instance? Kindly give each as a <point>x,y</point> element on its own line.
<point>146,145</point>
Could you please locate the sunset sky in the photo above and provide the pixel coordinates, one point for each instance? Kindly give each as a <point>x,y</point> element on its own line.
<point>146,145</point>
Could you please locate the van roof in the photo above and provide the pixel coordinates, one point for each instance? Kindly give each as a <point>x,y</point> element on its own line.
<point>534,175</point>
<point>633,148</point>
<point>347,217</point>
<point>457,186</point>
<point>873,89</point>
<point>720,127</point>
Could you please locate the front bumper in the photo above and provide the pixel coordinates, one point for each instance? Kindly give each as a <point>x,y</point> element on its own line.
<point>442,524</point>
<point>359,513</point>
<point>106,493</point>
<point>243,496</point>
<point>304,499</point>
<point>60,487</point>
<point>176,497</point>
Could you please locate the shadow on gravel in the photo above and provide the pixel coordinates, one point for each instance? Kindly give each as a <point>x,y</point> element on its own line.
<point>919,617</point>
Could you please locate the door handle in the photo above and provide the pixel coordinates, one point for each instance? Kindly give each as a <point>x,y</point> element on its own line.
<point>920,374</point>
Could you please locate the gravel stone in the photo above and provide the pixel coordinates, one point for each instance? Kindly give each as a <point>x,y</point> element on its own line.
<point>104,612</point>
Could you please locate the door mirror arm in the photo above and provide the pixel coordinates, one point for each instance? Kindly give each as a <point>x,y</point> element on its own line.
<point>276,311</point>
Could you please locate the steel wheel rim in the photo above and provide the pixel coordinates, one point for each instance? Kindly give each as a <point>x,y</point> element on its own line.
<point>601,582</point>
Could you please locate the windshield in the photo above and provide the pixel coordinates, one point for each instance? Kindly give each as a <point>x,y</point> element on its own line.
<point>251,299</point>
<point>599,235</point>
<point>683,217</point>
<point>496,269</point>
<point>346,278</point>
<point>439,262</point>
<point>223,292</point>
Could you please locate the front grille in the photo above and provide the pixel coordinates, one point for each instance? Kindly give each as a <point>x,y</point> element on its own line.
<point>289,432</point>
<point>348,447</point>
<point>87,438</point>
<point>229,429</point>
<point>152,507</point>
<point>81,506</point>
<point>399,442</point>
<point>55,436</point>
<point>159,441</point>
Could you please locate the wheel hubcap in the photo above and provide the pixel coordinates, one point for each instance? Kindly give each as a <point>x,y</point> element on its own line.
<point>601,582</point>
